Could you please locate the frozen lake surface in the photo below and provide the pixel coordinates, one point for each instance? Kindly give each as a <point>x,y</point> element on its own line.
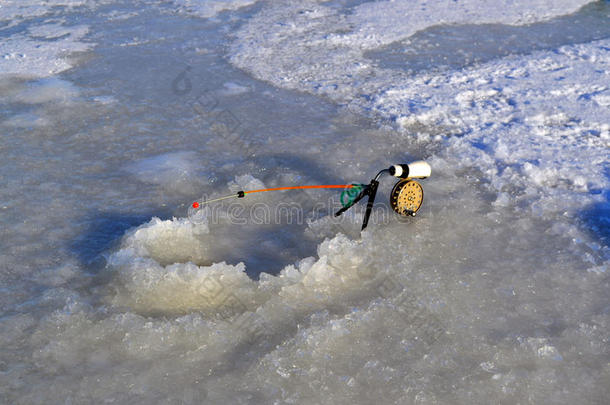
<point>116,115</point>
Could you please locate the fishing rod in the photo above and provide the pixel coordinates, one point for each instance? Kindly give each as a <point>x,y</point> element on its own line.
<point>406,197</point>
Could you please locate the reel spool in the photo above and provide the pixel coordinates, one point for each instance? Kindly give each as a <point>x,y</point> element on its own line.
<point>406,197</point>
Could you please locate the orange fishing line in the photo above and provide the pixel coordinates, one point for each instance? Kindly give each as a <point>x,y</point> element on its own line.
<point>301,187</point>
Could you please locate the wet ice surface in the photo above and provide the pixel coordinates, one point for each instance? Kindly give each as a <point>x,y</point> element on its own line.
<point>496,291</point>
<point>457,46</point>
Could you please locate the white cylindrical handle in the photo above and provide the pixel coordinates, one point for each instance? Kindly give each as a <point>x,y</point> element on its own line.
<point>419,170</point>
<point>414,170</point>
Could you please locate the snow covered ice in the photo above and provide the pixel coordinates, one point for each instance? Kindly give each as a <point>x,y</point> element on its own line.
<point>116,116</point>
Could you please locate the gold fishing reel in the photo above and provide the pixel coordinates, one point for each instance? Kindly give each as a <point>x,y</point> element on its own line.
<point>406,197</point>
